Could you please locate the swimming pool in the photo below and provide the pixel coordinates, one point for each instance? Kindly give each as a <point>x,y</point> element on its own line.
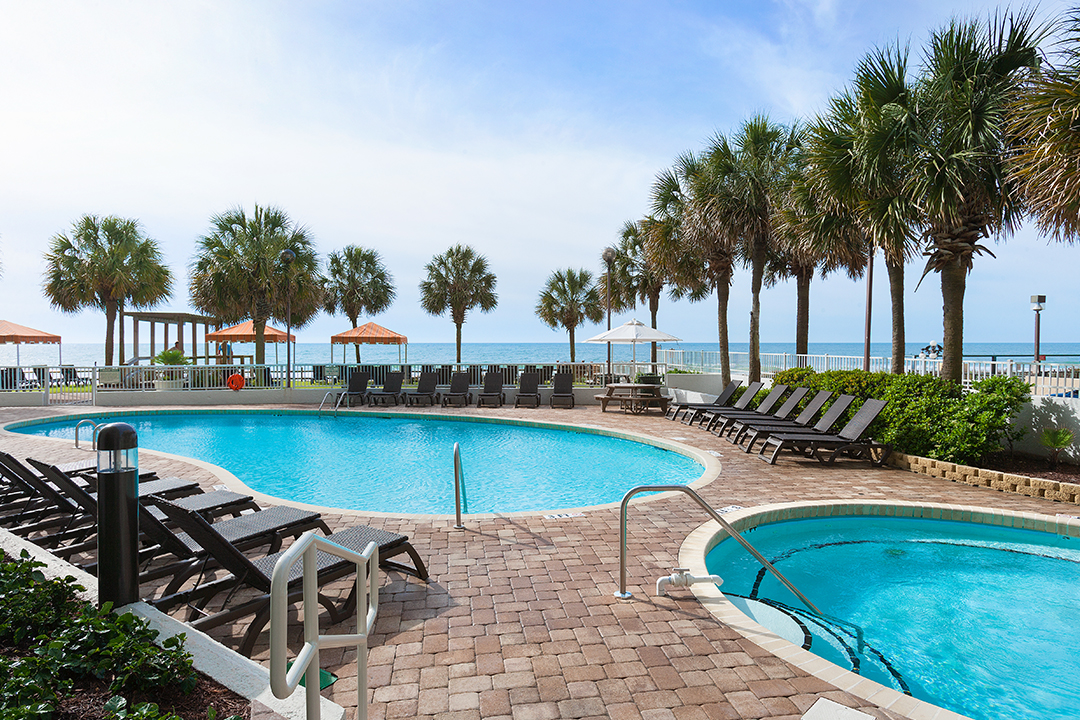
<point>401,463</point>
<point>972,616</point>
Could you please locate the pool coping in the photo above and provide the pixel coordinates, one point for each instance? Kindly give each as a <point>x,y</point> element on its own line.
<point>710,464</point>
<point>700,541</point>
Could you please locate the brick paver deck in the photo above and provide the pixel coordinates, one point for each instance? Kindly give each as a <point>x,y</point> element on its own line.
<point>519,620</point>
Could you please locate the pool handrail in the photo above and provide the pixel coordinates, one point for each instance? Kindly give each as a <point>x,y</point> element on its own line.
<point>624,595</point>
<point>93,440</point>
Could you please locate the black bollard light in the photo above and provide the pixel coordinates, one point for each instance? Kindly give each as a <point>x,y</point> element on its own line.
<point>118,514</point>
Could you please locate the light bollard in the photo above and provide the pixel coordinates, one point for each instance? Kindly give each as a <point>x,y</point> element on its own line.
<point>118,514</point>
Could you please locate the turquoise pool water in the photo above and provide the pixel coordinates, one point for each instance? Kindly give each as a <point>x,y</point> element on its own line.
<point>977,619</point>
<point>395,464</point>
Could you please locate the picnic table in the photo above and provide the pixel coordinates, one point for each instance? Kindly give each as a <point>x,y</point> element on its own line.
<point>635,397</point>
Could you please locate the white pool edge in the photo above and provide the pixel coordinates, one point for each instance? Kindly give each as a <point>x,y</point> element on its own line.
<point>698,543</point>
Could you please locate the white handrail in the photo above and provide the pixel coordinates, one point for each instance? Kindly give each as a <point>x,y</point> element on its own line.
<point>283,680</point>
<point>85,421</point>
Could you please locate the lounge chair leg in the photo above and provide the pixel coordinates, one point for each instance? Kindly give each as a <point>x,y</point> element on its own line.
<point>772,458</point>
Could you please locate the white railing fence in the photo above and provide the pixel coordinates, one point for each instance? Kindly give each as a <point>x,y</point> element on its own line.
<point>283,679</point>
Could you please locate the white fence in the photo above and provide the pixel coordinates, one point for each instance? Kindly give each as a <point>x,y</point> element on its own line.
<point>1053,379</point>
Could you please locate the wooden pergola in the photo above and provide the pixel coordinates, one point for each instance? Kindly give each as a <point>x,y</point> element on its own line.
<point>169,320</point>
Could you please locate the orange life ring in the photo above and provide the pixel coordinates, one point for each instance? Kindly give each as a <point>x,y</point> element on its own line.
<point>235,381</point>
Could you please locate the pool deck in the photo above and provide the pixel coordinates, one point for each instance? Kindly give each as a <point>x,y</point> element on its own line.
<point>519,618</point>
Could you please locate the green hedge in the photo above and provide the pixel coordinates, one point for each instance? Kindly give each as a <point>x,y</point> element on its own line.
<point>926,415</point>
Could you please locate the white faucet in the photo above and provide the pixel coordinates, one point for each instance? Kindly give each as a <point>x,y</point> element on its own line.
<point>681,577</point>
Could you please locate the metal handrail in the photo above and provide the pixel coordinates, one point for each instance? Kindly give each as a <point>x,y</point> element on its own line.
<point>622,593</point>
<point>93,439</point>
<point>283,680</point>
<point>459,488</point>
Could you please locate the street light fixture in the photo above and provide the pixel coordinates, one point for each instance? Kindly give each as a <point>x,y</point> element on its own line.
<point>609,259</point>
<point>287,257</point>
<point>1037,302</point>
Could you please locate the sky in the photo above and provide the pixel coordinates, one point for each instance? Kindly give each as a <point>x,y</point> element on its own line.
<point>530,131</point>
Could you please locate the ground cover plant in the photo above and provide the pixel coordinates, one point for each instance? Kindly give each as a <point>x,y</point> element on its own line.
<point>928,415</point>
<point>61,657</point>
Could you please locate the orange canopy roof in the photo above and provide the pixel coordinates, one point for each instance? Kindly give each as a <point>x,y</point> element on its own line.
<point>245,332</point>
<point>12,333</point>
<point>369,334</point>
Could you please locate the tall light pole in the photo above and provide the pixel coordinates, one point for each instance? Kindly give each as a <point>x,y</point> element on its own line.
<point>287,257</point>
<point>609,258</point>
<point>1037,302</point>
<point>869,301</point>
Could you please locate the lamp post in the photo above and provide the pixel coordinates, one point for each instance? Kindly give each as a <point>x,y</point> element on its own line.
<point>609,258</point>
<point>1037,302</point>
<point>287,257</point>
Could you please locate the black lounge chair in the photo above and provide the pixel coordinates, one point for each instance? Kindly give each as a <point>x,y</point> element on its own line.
<point>425,389</point>
<point>743,403</point>
<point>562,389</point>
<point>528,389</point>
<point>256,573</point>
<point>720,420</point>
<point>848,440</point>
<point>493,390</point>
<point>459,390</point>
<point>391,390</point>
<point>824,425</point>
<point>752,430</point>
<point>356,389</point>
<point>735,427</point>
<point>721,401</point>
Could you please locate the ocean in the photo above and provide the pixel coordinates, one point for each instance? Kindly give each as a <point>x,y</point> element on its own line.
<point>87,354</point>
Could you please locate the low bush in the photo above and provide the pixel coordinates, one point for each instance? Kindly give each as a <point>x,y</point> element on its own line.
<point>927,415</point>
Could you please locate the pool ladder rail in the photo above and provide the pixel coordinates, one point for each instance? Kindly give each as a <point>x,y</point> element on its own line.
<point>680,577</point>
<point>93,439</point>
<point>460,499</point>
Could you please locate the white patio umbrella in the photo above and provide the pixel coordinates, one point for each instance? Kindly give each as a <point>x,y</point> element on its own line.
<point>632,332</point>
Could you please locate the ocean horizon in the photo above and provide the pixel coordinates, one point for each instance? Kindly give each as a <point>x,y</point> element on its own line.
<point>88,354</point>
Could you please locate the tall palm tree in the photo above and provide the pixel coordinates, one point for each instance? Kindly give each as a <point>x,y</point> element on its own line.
<point>688,228</point>
<point>1047,138</point>
<point>357,283</point>
<point>106,262</point>
<point>970,78</point>
<point>568,299</point>
<point>238,272</point>
<point>751,170</point>
<point>458,280</point>
<point>857,167</point>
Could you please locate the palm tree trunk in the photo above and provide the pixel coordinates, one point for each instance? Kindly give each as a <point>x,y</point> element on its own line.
<point>723,290</point>
<point>458,326</point>
<point>803,277</point>
<point>654,308</point>
<point>120,323</point>
<point>260,340</point>
<point>953,285</point>
<point>896,295</point>
<point>572,356</point>
<point>110,322</point>
<point>757,267</point>
<point>356,347</point>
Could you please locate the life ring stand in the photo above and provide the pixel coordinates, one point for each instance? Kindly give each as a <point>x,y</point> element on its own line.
<point>235,381</point>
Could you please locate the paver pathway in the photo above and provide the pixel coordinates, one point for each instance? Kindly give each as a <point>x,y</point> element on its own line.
<point>519,619</point>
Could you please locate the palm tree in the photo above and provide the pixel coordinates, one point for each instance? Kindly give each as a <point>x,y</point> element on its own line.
<point>856,169</point>
<point>238,272</point>
<point>1048,139</point>
<point>970,79</point>
<point>458,280</point>
<point>357,283</point>
<point>107,262</point>
<point>569,299</point>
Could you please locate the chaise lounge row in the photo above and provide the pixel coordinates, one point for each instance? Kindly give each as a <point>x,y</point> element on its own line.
<point>459,393</point>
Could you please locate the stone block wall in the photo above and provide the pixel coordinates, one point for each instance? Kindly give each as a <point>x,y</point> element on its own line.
<point>1005,482</point>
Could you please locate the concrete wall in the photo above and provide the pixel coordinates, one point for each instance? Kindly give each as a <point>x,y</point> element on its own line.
<point>1050,412</point>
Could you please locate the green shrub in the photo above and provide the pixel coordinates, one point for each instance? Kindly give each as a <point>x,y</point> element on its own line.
<point>28,614</point>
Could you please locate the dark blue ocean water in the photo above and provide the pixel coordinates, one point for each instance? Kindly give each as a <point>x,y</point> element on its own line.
<point>312,353</point>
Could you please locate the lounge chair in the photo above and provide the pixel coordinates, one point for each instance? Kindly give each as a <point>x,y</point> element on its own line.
<point>56,378</point>
<point>459,390</point>
<point>721,400</point>
<point>256,573</point>
<point>391,390</point>
<point>824,425</point>
<point>355,390</point>
<point>721,419</point>
<point>793,400</point>
<point>425,389</point>
<point>562,389</point>
<point>848,440</point>
<point>750,430</point>
<point>528,389</point>
<point>493,390</point>
<point>743,403</point>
